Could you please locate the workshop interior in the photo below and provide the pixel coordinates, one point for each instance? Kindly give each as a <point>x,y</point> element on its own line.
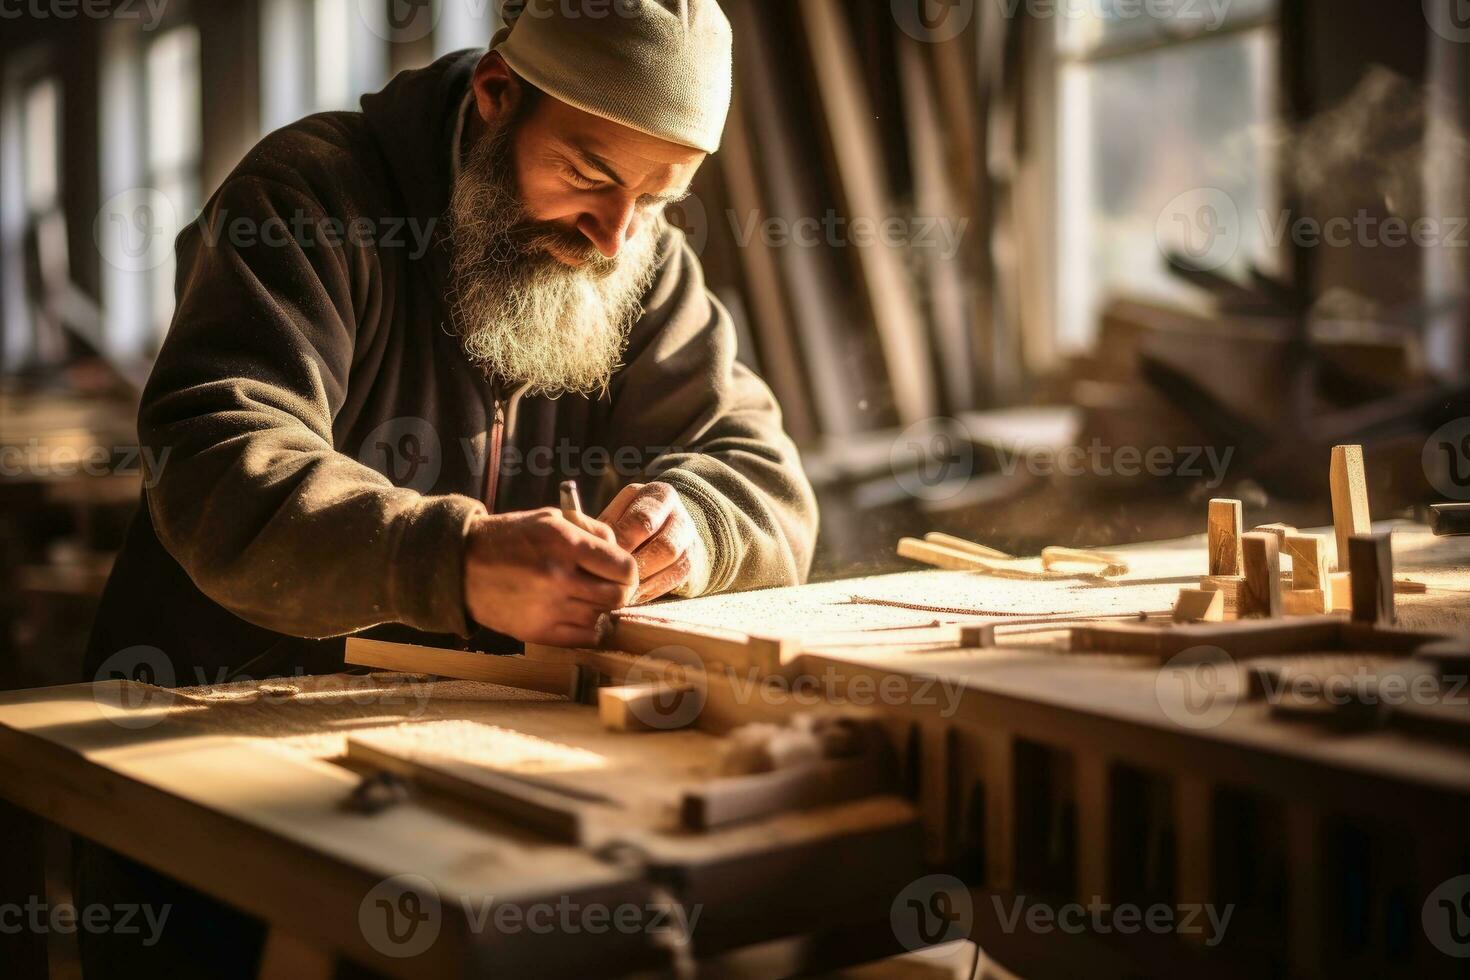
<point>734,488</point>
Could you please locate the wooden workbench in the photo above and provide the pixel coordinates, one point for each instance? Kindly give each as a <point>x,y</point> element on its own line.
<point>999,745</point>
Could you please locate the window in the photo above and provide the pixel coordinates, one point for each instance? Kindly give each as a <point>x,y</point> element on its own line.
<point>318,55</point>
<point>465,24</point>
<point>151,120</point>
<point>1161,146</point>
<point>34,229</point>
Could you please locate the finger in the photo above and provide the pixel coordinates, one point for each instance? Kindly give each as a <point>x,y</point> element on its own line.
<point>672,540</point>
<point>665,581</point>
<point>620,503</point>
<point>568,636</point>
<point>645,516</point>
<point>575,612</point>
<point>596,528</point>
<point>597,593</point>
<point>603,559</point>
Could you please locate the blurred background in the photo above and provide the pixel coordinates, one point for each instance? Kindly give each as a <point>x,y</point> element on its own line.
<point>1030,271</point>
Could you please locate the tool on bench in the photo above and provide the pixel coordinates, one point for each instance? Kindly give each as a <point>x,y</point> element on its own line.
<point>1450,520</point>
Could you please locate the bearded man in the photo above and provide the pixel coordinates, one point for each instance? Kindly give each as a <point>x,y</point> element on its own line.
<point>356,433</point>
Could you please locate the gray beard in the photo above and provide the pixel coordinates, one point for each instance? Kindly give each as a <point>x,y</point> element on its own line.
<point>524,316</point>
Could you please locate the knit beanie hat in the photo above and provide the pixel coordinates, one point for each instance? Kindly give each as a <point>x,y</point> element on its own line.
<point>662,67</point>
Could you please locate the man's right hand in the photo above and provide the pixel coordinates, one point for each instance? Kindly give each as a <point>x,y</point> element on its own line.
<point>541,578</point>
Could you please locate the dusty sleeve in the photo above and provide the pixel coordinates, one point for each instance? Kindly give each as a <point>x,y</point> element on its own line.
<point>249,493</point>
<point>716,432</point>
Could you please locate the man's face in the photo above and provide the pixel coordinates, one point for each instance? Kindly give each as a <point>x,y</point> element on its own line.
<point>553,225</point>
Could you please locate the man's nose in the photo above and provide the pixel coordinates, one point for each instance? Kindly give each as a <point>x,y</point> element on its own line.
<point>613,227</point>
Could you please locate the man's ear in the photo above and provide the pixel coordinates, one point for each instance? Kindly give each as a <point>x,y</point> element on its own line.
<point>497,89</point>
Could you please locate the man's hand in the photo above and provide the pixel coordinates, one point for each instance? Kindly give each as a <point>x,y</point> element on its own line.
<point>650,521</point>
<point>541,578</point>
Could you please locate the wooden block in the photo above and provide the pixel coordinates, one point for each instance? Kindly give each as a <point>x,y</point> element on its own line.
<point>554,815</point>
<point>955,560</point>
<point>721,802</point>
<point>1407,586</point>
<point>1282,531</point>
<point>1449,520</point>
<point>1240,639</point>
<point>1200,606</point>
<point>674,641</point>
<point>646,707</point>
<point>1303,602</point>
<point>1308,560</point>
<point>1339,591</point>
<point>1224,537</point>
<point>512,671</point>
<point>1370,557</point>
<point>1260,594</point>
<point>1107,565</point>
<point>1349,498</point>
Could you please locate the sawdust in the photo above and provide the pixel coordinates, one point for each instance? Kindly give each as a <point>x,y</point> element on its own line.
<point>480,744</point>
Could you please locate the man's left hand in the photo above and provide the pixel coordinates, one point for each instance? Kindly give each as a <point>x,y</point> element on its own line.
<point>651,522</point>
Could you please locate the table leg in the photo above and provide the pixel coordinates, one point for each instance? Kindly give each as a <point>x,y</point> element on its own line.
<point>22,886</point>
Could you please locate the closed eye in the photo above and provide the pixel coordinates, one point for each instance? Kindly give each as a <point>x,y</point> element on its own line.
<point>576,178</point>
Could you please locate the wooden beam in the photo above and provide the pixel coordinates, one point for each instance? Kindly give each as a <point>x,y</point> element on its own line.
<point>511,671</point>
<point>1199,606</point>
<point>645,707</point>
<point>722,802</point>
<point>706,645</point>
<point>1260,593</point>
<point>1094,825</point>
<point>860,175</point>
<point>1224,531</point>
<point>1308,560</point>
<point>1194,836</point>
<point>1349,498</point>
<point>1370,557</point>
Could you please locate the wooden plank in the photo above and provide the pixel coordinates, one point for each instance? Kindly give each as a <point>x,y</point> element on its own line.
<point>1241,638</point>
<point>1194,836</point>
<point>511,671</point>
<point>645,707</point>
<point>1224,531</point>
<point>1308,560</point>
<point>1094,825</point>
<point>999,750</point>
<point>707,645</point>
<point>1339,591</point>
<point>1260,593</point>
<point>1199,606</point>
<point>735,799</point>
<point>966,546</point>
<point>1349,498</point>
<point>552,815</point>
<point>1370,557</point>
<point>1304,602</point>
<point>860,174</point>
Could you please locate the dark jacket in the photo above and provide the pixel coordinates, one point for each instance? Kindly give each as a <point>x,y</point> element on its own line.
<point>326,438</point>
